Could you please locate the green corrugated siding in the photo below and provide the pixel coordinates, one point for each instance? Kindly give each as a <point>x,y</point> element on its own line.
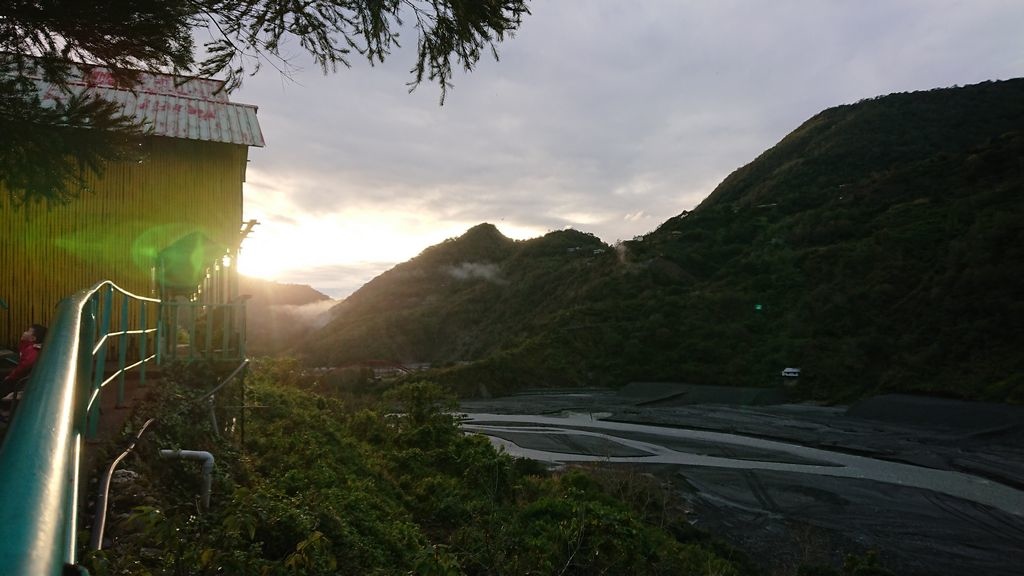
<point>137,209</point>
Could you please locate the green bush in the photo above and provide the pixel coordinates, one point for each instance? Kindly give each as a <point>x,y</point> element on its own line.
<point>321,488</point>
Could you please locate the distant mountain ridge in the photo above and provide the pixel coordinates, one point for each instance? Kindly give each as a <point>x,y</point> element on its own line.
<point>879,247</point>
<point>431,308</point>
<point>278,315</point>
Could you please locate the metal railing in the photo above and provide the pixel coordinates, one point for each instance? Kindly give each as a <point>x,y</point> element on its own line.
<point>42,450</point>
<point>103,496</point>
<point>198,330</point>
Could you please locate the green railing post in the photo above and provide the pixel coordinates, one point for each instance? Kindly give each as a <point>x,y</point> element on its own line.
<point>241,423</point>
<point>208,332</point>
<point>142,343</point>
<point>192,340</point>
<point>84,380</point>
<point>100,365</point>
<point>225,329</point>
<point>122,352</point>
<point>243,332</point>
<point>162,330</point>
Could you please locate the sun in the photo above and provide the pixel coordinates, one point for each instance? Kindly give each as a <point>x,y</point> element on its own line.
<point>276,248</point>
<point>263,257</point>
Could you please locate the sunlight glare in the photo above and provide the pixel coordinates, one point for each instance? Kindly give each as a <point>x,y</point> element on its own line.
<point>279,249</point>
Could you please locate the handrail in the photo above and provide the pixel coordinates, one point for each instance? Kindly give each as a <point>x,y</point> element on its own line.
<point>40,456</point>
<point>212,331</point>
<point>100,522</point>
<point>227,379</point>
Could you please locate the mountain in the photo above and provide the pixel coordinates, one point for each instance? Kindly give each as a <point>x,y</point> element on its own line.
<point>878,247</point>
<point>458,300</point>
<point>277,315</point>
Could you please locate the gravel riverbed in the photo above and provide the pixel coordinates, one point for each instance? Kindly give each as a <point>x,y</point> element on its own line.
<point>935,486</point>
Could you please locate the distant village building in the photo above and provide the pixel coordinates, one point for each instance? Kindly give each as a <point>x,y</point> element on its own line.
<point>790,372</point>
<point>155,225</point>
<point>383,369</point>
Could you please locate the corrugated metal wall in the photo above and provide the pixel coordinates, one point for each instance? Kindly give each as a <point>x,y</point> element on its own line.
<point>114,233</point>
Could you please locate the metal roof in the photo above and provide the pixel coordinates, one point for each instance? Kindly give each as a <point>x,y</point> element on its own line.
<point>172,106</point>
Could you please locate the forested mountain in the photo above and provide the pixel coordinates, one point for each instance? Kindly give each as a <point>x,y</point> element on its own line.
<point>278,314</point>
<point>466,298</point>
<point>878,247</point>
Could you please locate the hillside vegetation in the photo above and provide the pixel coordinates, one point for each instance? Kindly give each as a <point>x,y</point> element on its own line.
<point>320,481</point>
<point>878,247</point>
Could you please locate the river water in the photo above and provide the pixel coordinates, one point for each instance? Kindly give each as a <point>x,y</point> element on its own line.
<point>587,438</point>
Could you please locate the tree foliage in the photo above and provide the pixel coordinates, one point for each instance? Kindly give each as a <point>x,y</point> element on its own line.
<point>343,483</point>
<point>47,152</point>
<point>46,38</point>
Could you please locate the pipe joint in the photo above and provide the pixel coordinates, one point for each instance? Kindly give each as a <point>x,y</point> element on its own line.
<point>206,458</point>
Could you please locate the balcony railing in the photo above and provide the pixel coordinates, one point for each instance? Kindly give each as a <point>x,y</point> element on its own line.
<point>42,449</point>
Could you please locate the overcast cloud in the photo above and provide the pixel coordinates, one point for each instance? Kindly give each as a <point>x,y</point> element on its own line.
<point>603,115</point>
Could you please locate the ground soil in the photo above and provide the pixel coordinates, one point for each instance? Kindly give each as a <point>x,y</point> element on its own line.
<point>786,519</point>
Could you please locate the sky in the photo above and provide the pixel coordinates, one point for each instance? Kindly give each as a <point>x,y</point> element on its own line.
<point>602,115</point>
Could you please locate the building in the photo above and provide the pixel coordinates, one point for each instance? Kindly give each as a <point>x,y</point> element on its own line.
<point>162,225</point>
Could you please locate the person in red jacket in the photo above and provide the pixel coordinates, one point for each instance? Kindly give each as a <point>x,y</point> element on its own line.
<point>28,349</point>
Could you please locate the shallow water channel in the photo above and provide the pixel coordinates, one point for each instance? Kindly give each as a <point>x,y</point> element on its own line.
<point>588,438</point>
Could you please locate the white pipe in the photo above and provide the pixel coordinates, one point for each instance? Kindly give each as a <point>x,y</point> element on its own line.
<point>207,460</point>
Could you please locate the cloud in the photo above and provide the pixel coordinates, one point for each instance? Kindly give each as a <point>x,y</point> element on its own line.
<point>598,113</point>
<point>635,216</point>
<point>313,315</point>
<point>476,270</point>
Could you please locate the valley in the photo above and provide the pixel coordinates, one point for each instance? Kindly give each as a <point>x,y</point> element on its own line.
<point>931,485</point>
